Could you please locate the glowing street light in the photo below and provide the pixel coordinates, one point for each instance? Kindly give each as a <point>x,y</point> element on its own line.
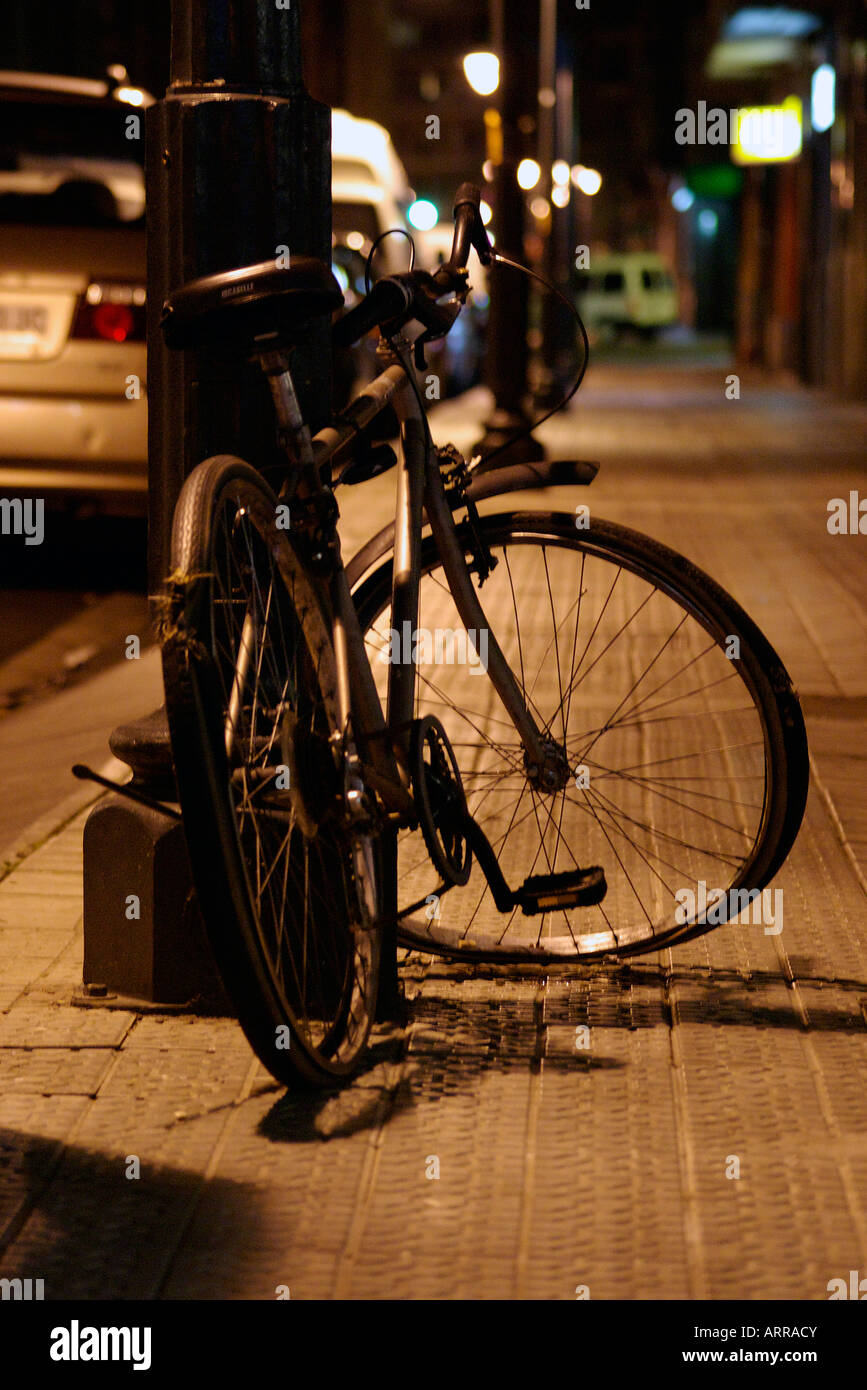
<point>560,173</point>
<point>589,181</point>
<point>423,215</point>
<point>133,96</point>
<point>486,212</point>
<point>560,195</point>
<point>482,71</point>
<point>822,97</point>
<point>529,173</point>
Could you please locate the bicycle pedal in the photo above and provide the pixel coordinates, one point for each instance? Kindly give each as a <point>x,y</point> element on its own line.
<point>573,888</point>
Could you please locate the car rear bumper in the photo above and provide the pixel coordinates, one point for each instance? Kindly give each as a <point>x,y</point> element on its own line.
<point>70,447</point>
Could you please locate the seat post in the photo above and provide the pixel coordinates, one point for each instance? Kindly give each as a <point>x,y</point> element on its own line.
<point>291,424</point>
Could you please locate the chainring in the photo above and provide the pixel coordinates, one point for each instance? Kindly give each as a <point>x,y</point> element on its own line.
<point>440,801</point>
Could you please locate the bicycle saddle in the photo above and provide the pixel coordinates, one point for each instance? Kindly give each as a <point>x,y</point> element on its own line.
<point>252,309</point>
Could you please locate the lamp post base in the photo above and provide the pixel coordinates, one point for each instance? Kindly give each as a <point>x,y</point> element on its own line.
<point>504,430</point>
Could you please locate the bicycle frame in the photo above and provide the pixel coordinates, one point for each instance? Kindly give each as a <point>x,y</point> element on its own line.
<point>383,739</point>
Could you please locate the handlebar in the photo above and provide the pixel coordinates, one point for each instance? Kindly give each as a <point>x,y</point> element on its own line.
<point>396,299</point>
<point>389,299</point>
<point>469,229</point>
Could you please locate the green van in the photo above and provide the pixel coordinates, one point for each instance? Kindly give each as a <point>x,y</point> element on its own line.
<point>630,289</point>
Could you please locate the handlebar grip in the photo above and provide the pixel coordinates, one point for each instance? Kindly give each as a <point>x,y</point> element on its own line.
<point>467,193</point>
<point>387,299</point>
<point>468,213</point>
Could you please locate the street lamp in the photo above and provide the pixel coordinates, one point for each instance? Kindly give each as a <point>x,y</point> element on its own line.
<point>423,215</point>
<point>588,180</point>
<point>529,174</point>
<point>482,71</point>
<point>822,106</point>
<point>507,428</point>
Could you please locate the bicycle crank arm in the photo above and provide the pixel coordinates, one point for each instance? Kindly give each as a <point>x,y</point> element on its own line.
<point>540,892</point>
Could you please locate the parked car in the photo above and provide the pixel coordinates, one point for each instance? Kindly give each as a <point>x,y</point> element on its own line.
<point>73,388</point>
<point>73,411</point>
<point>632,289</point>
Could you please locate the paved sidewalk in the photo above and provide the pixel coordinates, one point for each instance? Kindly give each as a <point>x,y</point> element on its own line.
<point>610,1170</point>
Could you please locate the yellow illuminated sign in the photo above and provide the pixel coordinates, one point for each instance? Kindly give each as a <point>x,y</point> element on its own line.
<point>768,134</point>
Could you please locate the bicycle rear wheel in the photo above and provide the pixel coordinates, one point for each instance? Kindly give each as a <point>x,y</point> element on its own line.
<point>681,735</point>
<point>290,898</point>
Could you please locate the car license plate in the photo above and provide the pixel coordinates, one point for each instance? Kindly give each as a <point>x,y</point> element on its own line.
<point>33,326</point>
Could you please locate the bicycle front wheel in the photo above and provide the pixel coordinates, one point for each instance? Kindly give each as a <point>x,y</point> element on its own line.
<point>290,898</point>
<point>681,742</point>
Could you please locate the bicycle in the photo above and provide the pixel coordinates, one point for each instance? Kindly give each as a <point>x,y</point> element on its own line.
<point>344,793</point>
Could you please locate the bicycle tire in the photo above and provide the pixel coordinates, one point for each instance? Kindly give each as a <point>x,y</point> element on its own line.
<point>291,901</point>
<point>690,595</point>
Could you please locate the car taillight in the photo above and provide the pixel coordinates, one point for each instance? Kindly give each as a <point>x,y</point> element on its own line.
<point>112,312</point>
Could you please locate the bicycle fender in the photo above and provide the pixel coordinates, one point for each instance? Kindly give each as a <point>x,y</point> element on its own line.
<point>511,477</point>
<point>518,477</point>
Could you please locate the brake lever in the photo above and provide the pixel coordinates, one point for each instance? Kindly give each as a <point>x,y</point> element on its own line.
<point>436,318</point>
<point>446,279</point>
<point>446,316</point>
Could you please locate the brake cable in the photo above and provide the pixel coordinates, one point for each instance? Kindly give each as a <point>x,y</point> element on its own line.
<point>527,430</point>
<point>391,231</point>
<point>408,369</point>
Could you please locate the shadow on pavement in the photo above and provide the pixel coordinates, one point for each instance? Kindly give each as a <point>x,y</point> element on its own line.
<point>95,1233</point>
<point>451,1043</point>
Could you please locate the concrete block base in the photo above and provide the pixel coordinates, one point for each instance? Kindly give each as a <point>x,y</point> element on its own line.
<point>143,934</point>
